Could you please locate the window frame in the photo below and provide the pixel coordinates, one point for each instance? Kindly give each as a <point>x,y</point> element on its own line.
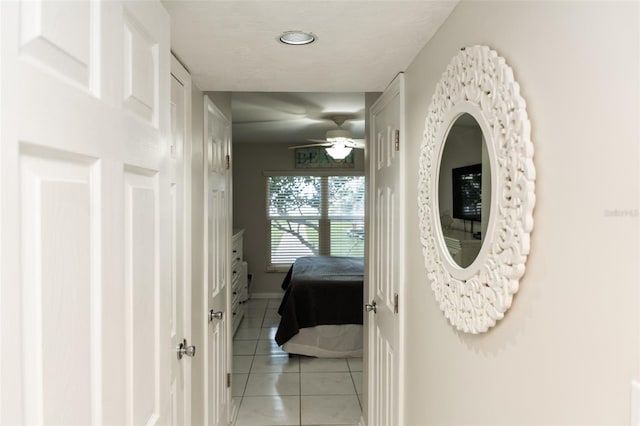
<point>323,220</point>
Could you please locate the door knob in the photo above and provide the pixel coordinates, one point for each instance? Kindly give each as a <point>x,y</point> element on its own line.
<point>215,315</point>
<point>184,350</point>
<point>371,307</point>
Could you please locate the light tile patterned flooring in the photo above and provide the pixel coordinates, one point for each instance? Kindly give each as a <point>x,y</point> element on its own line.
<point>272,389</point>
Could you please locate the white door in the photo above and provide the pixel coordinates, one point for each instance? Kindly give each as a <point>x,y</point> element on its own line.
<point>180,175</point>
<point>217,263</point>
<point>84,226</point>
<point>385,272</point>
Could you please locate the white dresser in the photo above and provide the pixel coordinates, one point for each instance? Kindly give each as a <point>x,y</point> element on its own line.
<point>462,246</point>
<point>239,279</point>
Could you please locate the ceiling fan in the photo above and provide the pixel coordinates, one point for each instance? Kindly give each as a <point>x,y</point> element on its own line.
<point>338,143</point>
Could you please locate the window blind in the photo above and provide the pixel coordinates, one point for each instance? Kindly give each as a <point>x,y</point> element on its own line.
<point>314,215</point>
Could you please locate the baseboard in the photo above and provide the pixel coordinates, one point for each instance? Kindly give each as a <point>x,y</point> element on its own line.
<point>265,295</point>
<point>234,409</point>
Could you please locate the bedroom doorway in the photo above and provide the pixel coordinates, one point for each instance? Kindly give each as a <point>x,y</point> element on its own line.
<point>266,130</point>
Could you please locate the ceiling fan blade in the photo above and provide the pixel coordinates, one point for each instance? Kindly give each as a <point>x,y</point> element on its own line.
<point>310,145</point>
<point>356,143</point>
<point>320,141</point>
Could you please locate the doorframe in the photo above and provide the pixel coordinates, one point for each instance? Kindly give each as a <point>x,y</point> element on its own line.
<point>182,75</point>
<point>395,88</point>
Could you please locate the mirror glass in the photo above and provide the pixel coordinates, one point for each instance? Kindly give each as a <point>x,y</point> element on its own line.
<point>464,190</point>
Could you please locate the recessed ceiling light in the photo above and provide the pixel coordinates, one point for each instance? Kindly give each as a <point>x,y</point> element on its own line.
<point>297,37</point>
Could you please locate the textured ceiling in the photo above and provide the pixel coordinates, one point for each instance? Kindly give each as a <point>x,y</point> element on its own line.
<point>361,46</point>
<point>294,117</point>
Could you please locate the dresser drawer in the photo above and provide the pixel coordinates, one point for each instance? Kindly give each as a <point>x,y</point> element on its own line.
<point>237,270</point>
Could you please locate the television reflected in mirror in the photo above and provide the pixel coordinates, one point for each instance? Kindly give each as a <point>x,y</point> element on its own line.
<point>466,183</point>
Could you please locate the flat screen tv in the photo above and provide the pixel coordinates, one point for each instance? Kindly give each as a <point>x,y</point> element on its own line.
<point>467,192</point>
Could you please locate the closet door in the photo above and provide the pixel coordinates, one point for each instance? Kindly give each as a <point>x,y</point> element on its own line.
<point>180,191</point>
<point>217,263</point>
<point>385,257</point>
<point>85,302</point>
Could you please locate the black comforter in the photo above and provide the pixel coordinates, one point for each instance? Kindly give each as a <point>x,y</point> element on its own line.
<point>321,290</point>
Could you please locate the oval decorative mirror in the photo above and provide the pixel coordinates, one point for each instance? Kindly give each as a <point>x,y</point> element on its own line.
<point>476,189</point>
<point>464,188</point>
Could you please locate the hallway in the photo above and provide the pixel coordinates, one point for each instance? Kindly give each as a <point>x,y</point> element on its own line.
<point>272,389</point>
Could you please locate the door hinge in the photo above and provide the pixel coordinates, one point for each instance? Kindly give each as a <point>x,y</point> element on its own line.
<point>227,162</point>
<point>228,380</point>
<point>397,140</point>
<point>395,303</point>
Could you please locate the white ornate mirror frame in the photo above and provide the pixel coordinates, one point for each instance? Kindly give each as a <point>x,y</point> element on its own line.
<point>480,83</point>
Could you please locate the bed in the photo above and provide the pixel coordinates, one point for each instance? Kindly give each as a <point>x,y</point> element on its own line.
<point>321,310</point>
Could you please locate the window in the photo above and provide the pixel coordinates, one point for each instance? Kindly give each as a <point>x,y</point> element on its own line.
<point>314,215</point>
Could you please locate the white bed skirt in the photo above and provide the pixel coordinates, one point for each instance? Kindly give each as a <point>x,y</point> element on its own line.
<point>327,341</point>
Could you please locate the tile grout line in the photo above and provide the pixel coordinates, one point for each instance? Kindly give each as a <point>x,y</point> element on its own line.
<point>355,388</point>
<point>248,374</point>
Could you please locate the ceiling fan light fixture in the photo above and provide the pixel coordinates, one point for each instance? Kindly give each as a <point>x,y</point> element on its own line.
<point>338,152</point>
<point>338,135</point>
<point>297,38</point>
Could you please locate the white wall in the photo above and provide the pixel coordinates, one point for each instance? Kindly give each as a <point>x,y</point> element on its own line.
<point>222,100</point>
<point>568,348</point>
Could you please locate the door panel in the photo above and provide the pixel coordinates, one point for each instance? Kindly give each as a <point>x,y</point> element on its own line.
<point>218,261</point>
<point>57,193</point>
<point>140,79</point>
<point>61,37</point>
<point>142,294</point>
<point>217,400</point>
<point>84,190</point>
<point>385,273</point>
